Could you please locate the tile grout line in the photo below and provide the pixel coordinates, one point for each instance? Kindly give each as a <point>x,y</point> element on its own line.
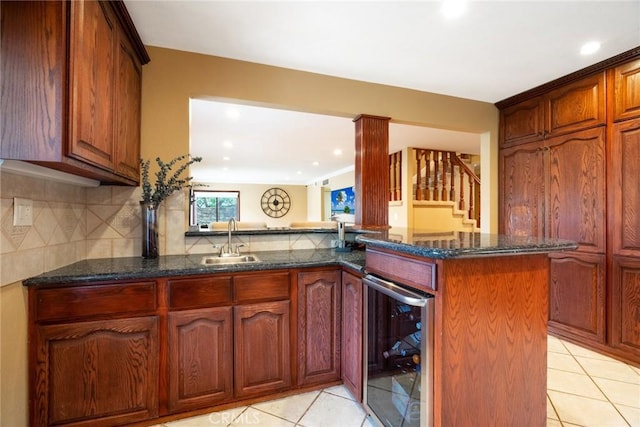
<point>555,411</point>
<point>297,423</point>
<point>598,387</point>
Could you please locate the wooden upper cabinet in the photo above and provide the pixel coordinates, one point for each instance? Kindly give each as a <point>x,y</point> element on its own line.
<point>576,106</point>
<point>33,79</point>
<point>91,54</point>
<point>522,122</point>
<point>626,100</point>
<point>71,74</point>
<point>624,187</point>
<point>128,109</point>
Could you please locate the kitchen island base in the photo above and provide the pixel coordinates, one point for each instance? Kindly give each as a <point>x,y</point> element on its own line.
<point>490,341</point>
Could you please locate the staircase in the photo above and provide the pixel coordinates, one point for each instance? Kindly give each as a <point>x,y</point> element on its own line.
<point>445,189</point>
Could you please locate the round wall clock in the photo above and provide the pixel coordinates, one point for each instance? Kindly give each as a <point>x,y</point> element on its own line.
<point>275,202</point>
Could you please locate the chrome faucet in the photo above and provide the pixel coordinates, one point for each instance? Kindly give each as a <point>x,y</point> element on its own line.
<point>231,226</point>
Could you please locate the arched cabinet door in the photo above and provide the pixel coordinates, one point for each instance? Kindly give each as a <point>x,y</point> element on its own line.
<point>262,329</point>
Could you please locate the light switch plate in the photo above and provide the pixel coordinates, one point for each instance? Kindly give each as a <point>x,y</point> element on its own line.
<point>22,212</point>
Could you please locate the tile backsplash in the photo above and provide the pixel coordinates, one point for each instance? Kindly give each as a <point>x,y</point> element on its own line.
<point>73,223</point>
<point>57,236</point>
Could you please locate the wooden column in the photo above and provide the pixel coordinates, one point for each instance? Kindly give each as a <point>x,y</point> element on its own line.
<point>372,170</point>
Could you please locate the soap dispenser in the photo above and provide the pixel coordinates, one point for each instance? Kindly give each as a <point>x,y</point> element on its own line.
<point>342,247</point>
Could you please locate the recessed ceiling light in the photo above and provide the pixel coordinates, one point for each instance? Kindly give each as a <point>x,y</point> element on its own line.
<point>337,152</point>
<point>299,172</point>
<point>589,48</point>
<point>226,158</point>
<point>315,163</point>
<point>453,8</point>
<point>228,144</point>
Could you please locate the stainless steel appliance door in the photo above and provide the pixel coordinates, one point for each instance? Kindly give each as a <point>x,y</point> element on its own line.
<point>398,354</point>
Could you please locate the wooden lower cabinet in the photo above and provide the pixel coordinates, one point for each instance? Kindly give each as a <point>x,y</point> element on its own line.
<point>262,352</point>
<point>200,353</point>
<point>625,306</point>
<point>351,337</point>
<point>577,295</point>
<point>96,373</point>
<point>104,353</point>
<point>319,295</point>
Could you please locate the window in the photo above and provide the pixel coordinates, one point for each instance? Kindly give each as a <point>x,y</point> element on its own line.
<point>214,206</point>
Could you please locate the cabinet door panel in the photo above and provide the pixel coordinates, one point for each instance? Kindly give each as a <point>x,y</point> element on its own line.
<point>93,37</point>
<point>33,70</point>
<point>522,190</point>
<point>576,106</point>
<point>319,297</point>
<point>625,185</point>
<point>575,205</point>
<point>577,295</point>
<point>522,122</point>
<point>200,358</point>
<point>127,111</point>
<point>79,366</point>
<point>627,91</point>
<point>625,305</point>
<point>262,345</point>
<point>351,342</point>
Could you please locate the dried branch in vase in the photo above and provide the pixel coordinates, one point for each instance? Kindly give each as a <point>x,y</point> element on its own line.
<point>167,181</point>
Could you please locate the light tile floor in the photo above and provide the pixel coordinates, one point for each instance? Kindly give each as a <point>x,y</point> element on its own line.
<point>584,388</point>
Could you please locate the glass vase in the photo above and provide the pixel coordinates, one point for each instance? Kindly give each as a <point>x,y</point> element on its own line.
<point>149,230</point>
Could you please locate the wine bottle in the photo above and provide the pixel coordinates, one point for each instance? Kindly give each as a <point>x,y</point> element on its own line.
<point>407,346</point>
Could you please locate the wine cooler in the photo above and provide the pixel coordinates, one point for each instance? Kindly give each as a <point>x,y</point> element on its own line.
<point>398,385</point>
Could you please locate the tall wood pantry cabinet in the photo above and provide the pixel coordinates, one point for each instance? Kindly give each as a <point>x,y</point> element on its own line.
<point>569,170</point>
<point>71,87</point>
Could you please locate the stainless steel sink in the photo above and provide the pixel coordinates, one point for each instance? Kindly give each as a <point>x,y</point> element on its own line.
<point>234,259</point>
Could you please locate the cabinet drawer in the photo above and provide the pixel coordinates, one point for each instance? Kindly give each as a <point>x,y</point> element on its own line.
<point>413,272</point>
<point>200,292</point>
<point>261,287</point>
<point>94,300</point>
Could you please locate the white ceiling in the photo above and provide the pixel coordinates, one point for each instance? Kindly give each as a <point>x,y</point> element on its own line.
<point>496,49</point>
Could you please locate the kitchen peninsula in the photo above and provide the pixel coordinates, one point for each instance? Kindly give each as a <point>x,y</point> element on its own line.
<point>490,318</point>
<point>175,335</point>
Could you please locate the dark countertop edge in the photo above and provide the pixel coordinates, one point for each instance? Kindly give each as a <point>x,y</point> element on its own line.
<point>284,230</point>
<point>148,272</point>
<point>473,252</point>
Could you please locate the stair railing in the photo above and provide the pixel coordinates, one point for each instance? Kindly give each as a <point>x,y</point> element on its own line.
<point>438,182</point>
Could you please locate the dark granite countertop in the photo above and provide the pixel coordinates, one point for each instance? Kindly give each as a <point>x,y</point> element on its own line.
<point>457,244</point>
<point>117,269</point>
<point>271,230</point>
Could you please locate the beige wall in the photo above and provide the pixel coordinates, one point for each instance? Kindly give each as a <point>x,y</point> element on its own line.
<point>172,77</point>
